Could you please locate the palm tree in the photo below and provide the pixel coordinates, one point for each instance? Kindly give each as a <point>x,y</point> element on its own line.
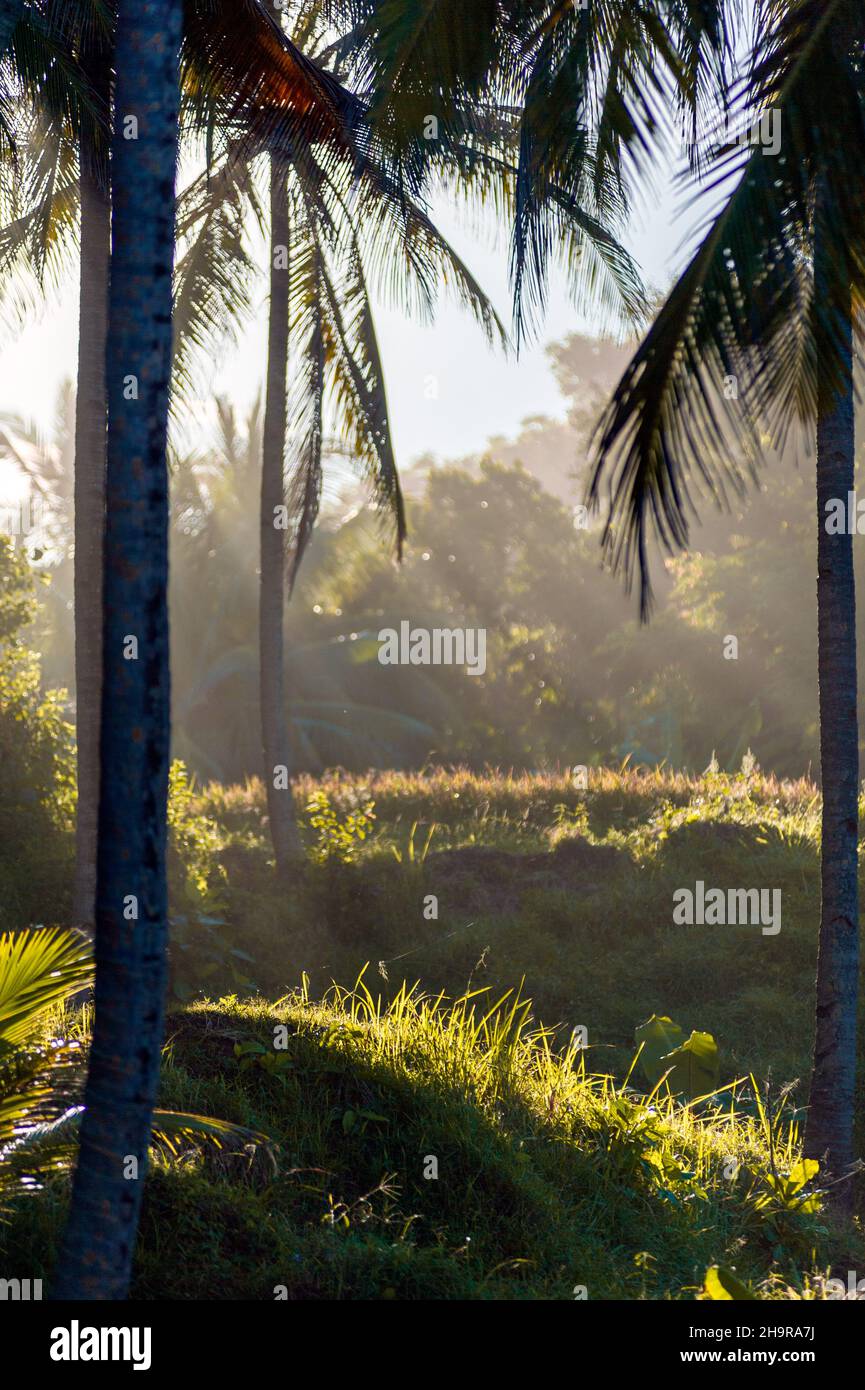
<point>242,75</point>
<point>91,414</point>
<point>271,663</point>
<point>337,322</point>
<point>770,302</point>
<point>317,225</point>
<point>541,107</point>
<point>131,905</point>
<point>386,187</point>
<point>41,1075</point>
<point>283,824</point>
<point>233,67</point>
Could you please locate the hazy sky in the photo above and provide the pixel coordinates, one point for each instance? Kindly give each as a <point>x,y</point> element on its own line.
<point>480,391</point>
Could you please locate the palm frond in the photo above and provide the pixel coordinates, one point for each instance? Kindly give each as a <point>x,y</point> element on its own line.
<point>744,312</point>
<point>215,269</point>
<point>173,1129</point>
<point>39,233</point>
<point>306,400</point>
<point>243,76</point>
<point>38,970</point>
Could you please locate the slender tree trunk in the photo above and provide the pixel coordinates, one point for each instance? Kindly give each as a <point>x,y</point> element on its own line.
<point>131,898</point>
<point>829,1130</point>
<point>274,732</point>
<point>91,412</point>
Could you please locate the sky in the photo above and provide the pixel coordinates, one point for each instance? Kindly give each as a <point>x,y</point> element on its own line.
<point>448,391</point>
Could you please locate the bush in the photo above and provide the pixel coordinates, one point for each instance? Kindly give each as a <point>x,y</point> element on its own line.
<point>37,792</point>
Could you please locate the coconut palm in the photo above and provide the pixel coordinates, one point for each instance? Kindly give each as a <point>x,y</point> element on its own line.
<point>289,101</point>
<point>90,457</point>
<point>242,77</point>
<point>546,108</point>
<point>317,282</point>
<point>41,1074</point>
<point>767,309</point>
<point>131,903</point>
<point>359,195</point>
<point>235,67</point>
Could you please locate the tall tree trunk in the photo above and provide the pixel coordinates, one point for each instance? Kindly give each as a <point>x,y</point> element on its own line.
<point>91,412</point>
<point>829,1129</point>
<point>274,733</point>
<point>131,898</point>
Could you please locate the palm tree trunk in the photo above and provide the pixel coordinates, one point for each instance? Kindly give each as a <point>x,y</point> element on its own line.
<point>90,444</point>
<point>274,733</point>
<point>131,898</point>
<point>829,1129</point>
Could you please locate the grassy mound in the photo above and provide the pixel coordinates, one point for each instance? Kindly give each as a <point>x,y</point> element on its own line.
<point>427,1151</point>
<point>534,878</point>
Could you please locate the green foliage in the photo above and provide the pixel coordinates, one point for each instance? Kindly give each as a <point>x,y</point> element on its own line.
<point>584,1181</point>
<point>42,1057</point>
<point>197,878</point>
<point>38,971</point>
<point>571,676</point>
<point>414,854</point>
<point>337,837</point>
<point>783,1198</point>
<point>37,796</point>
<point>39,1074</point>
<point>783,1206</point>
<point>592,933</point>
<point>655,1040</point>
<point>203,956</point>
<point>722,1285</point>
<point>204,953</point>
<point>690,1068</point>
<point>694,1066</point>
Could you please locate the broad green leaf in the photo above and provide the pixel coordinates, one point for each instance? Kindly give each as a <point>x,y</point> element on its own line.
<point>721,1285</point>
<point>695,1066</point>
<point>658,1036</point>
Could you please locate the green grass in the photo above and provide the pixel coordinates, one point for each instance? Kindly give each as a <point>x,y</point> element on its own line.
<point>550,1180</point>
<point>594,940</point>
<point>555,1172</point>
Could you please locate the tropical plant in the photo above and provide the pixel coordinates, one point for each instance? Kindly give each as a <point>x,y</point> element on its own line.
<point>42,1063</point>
<point>547,108</point>
<point>238,74</point>
<point>321,238</point>
<point>39,1075</point>
<point>337,838</point>
<point>131,962</point>
<point>768,304</point>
